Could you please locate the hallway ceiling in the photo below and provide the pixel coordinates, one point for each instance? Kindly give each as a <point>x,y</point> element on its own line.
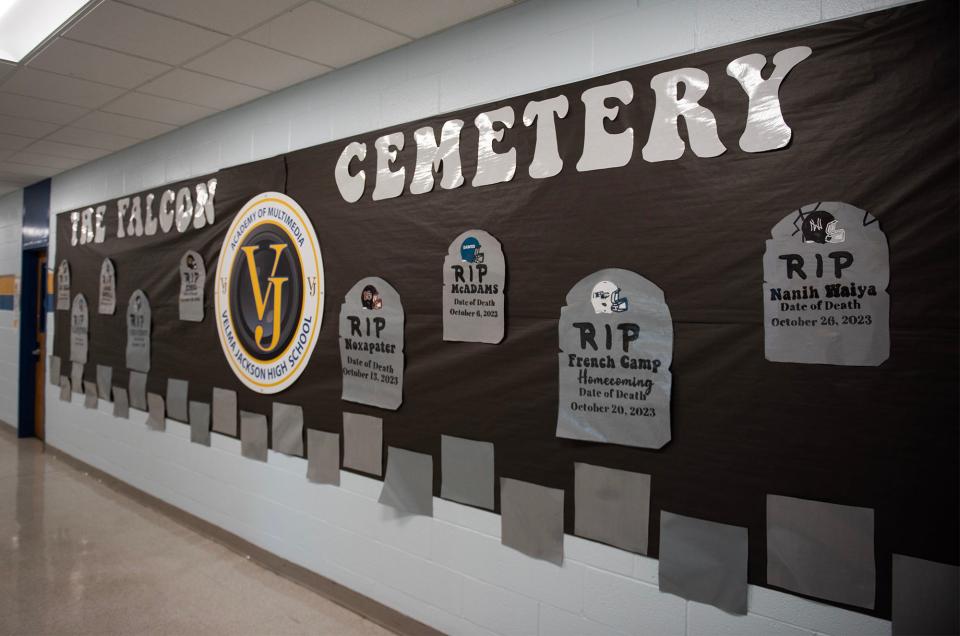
<point>123,71</point>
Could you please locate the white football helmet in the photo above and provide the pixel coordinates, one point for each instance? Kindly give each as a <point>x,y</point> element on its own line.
<point>606,298</point>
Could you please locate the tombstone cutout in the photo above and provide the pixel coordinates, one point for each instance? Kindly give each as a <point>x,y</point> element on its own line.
<point>474,281</point>
<point>825,274</point>
<point>138,332</point>
<point>63,286</point>
<point>193,276</point>
<point>107,303</point>
<point>371,344</point>
<point>616,347</point>
<point>79,329</point>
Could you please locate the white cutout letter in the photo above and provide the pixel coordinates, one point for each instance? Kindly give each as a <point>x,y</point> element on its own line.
<point>546,158</point>
<point>351,185</point>
<point>389,183</point>
<point>493,167</point>
<point>665,143</point>
<point>444,158</point>
<point>601,149</point>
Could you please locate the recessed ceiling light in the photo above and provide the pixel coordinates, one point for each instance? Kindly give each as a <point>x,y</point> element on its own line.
<point>25,24</point>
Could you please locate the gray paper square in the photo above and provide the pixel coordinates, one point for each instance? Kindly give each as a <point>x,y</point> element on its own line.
<point>363,443</point>
<point>137,389</point>
<point>121,406</point>
<point>531,519</point>
<point>467,471</point>
<point>408,486</point>
<point>323,457</point>
<point>925,597</point>
<point>612,506</point>
<point>65,393</point>
<point>157,420</point>
<point>253,436</point>
<point>54,372</point>
<point>89,394</point>
<point>200,423</point>
<point>104,381</point>
<point>177,399</point>
<point>821,549</point>
<point>76,377</point>
<point>704,561</point>
<point>287,422</point>
<point>225,412</point>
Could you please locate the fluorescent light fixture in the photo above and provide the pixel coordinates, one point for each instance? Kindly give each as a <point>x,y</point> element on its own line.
<point>24,24</point>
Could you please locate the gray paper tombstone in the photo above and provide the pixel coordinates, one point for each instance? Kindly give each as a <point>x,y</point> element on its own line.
<point>531,519</point>
<point>467,471</point>
<point>104,381</point>
<point>65,393</point>
<point>90,394</point>
<point>107,301</point>
<point>63,286</point>
<point>925,597</point>
<point>54,370</point>
<point>323,457</point>
<point>408,486</point>
<point>225,411</point>
<point>287,423</point>
<point>76,377</point>
<point>193,276</point>
<point>199,423</point>
<point>137,388</point>
<point>138,332</point>
<point>121,405</point>
<point>156,414</point>
<point>612,506</point>
<point>474,284</point>
<point>177,399</point>
<point>616,347</point>
<point>363,443</point>
<point>371,344</point>
<point>79,329</point>
<point>253,436</point>
<point>825,300</point>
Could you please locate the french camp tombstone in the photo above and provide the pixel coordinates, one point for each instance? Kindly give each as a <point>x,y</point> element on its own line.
<point>63,285</point>
<point>371,344</point>
<point>825,272</point>
<point>193,275</point>
<point>107,301</point>
<point>616,347</point>
<point>79,329</point>
<point>474,278</point>
<point>138,332</point>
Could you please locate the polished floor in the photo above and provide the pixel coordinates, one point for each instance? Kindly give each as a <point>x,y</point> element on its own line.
<point>79,557</point>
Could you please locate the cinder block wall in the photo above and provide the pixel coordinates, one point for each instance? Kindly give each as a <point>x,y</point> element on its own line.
<point>449,571</point>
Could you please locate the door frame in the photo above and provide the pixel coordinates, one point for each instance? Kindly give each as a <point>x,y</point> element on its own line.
<point>33,298</point>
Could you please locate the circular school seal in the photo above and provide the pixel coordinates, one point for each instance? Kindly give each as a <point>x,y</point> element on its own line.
<point>269,292</point>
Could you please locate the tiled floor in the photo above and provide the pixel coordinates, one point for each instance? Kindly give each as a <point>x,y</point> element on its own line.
<point>77,557</point>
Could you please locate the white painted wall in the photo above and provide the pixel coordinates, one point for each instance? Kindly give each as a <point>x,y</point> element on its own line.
<point>449,571</point>
<point>11,224</point>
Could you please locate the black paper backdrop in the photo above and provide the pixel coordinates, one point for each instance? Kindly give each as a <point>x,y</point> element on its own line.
<point>874,115</point>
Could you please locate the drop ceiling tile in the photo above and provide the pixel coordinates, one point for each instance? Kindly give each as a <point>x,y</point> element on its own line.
<point>47,161</point>
<point>92,138</point>
<point>131,30</point>
<point>93,63</point>
<point>25,127</point>
<point>202,90</point>
<point>417,18</point>
<point>325,35</point>
<point>122,125</point>
<point>69,151</point>
<point>41,109</point>
<point>256,65</point>
<point>25,170</point>
<point>159,109</point>
<point>225,16</point>
<point>70,90</point>
<point>13,142</point>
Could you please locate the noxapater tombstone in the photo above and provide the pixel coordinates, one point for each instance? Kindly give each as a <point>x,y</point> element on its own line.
<point>63,285</point>
<point>371,344</point>
<point>474,282</point>
<point>79,329</point>
<point>107,298</point>
<point>193,276</point>
<point>616,347</point>
<point>138,332</point>
<point>825,274</point>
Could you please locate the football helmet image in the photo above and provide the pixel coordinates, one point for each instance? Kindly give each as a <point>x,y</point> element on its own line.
<point>370,298</point>
<point>606,298</point>
<point>191,262</point>
<point>470,250</point>
<point>820,226</point>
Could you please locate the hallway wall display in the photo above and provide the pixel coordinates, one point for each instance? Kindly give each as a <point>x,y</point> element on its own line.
<point>676,171</point>
<point>63,285</point>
